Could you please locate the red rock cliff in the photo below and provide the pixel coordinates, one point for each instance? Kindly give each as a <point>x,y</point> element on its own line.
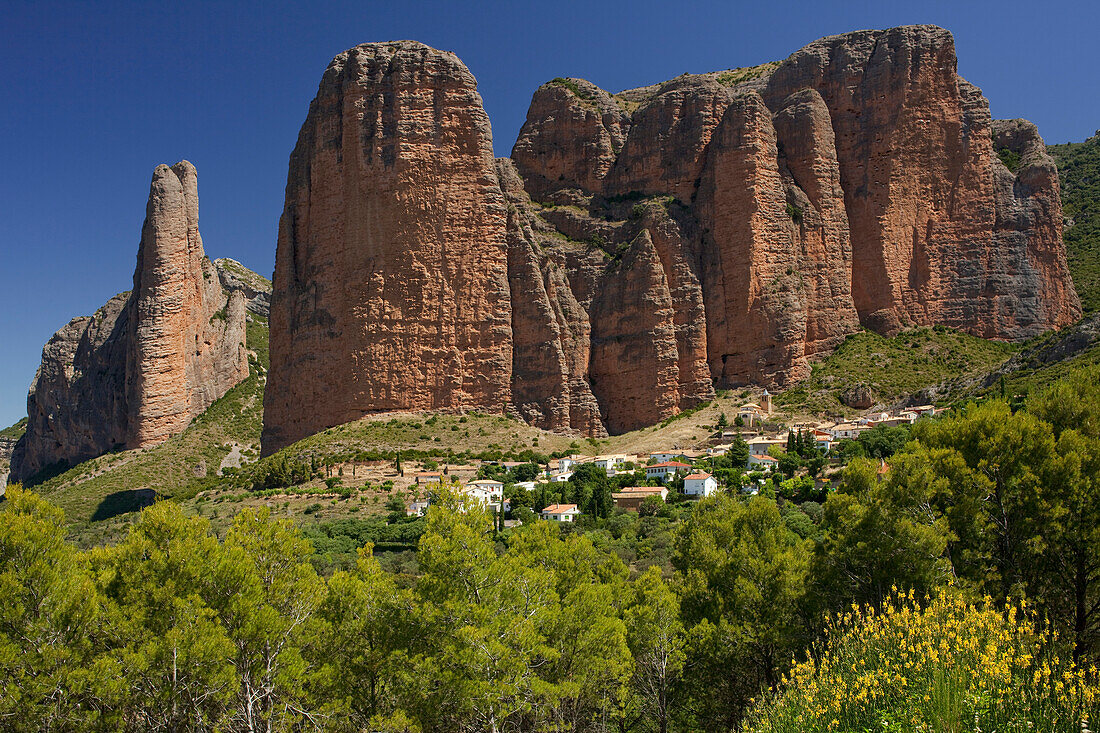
<point>391,276</point>
<point>641,248</point>
<point>149,361</point>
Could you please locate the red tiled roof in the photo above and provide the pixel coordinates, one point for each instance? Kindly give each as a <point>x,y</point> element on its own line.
<point>695,476</point>
<point>559,508</point>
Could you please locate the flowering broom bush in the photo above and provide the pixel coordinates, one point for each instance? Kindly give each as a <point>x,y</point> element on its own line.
<point>950,666</point>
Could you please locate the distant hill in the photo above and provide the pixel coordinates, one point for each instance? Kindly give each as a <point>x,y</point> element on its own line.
<point>1079,170</point>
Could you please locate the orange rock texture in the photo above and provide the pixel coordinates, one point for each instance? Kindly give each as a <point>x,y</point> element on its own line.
<point>391,283</point>
<point>641,249</point>
<point>150,360</point>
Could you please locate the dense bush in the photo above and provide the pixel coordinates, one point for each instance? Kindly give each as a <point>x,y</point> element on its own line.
<point>949,665</point>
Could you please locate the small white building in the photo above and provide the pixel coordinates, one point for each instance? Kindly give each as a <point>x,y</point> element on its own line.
<point>700,484</point>
<point>417,508</point>
<point>666,457</point>
<point>661,471</point>
<point>525,485</point>
<point>610,464</point>
<point>560,512</point>
<point>758,462</point>
<point>561,478</point>
<point>428,477</point>
<point>487,491</point>
<point>849,431</point>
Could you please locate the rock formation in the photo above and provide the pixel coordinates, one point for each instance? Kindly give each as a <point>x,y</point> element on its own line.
<point>391,275</point>
<point>640,249</point>
<point>150,360</point>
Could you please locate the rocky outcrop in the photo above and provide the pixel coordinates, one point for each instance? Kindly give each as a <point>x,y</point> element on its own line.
<point>573,134</point>
<point>255,288</point>
<point>641,249</point>
<point>913,140</point>
<point>391,283</point>
<point>150,360</point>
<point>854,184</point>
<point>1027,234</point>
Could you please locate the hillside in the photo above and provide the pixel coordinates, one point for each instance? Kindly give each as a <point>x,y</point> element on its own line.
<point>1079,171</point>
<point>14,432</point>
<point>1037,363</point>
<point>892,368</point>
<point>97,494</point>
<point>208,468</point>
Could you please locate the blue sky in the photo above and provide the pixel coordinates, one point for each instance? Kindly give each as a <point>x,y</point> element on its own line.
<point>95,95</point>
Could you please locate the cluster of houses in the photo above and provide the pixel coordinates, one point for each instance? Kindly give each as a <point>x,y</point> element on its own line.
<point>664,465</point>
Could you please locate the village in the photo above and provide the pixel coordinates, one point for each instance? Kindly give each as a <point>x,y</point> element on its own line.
<point>753,435</point>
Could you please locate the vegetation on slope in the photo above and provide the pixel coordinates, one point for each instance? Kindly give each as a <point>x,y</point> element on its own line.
<point>14,432</point>
<point>1079,170</point>
<point>542,626</point>
<point>892,367</point>
<point>96,493</point>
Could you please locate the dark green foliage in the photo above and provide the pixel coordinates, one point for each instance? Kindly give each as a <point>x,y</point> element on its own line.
<point>1010,158</point>
<point>675,617</point>
<point>794,212</point>
<point>883,441</point>
<point>1079,170</point>
<point>279,471</point>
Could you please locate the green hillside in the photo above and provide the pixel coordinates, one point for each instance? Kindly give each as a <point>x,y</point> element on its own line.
<point>1079,169</point>
<point>97,494</point>
<point>14,432</point>
<point>892,367</point>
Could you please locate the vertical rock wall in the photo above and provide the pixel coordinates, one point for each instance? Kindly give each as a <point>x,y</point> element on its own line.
<point>150,360</point>
<point>391,276</point>
<point>641,248</point>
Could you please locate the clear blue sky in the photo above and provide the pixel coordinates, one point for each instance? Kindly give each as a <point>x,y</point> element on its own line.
<point>94,95</point>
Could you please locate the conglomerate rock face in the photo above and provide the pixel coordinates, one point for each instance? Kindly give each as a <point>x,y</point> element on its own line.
<point>391,283</point>
<point>150,360</point>
<point>641,249</point>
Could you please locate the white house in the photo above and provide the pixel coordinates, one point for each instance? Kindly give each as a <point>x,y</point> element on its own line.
<point>666,457</point>
<point>823,440</point>
<point>417,508</point>
<point>560,512</point>
<point>848,430</point>
<point>525,485</point>
<point>560,478</point>
<point>487,491</point>
<point>662,471</point>
<point>561,465</point>
<point>761,443</point>
<point>700,484</point>
<point>759,462</point>
<point>610,464</point>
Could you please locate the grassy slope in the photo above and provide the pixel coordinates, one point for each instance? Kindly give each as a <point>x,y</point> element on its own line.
<point>1039,362</point>
<point>96,494</point>
<point>101,486</point>
<point>14,432</point>
<point>1079,169</point>
<point>892,367</point>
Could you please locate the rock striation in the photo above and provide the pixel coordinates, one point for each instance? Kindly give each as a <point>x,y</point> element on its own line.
<point>137,371</point>
<point>391,274</point>
<point>641,249</point>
